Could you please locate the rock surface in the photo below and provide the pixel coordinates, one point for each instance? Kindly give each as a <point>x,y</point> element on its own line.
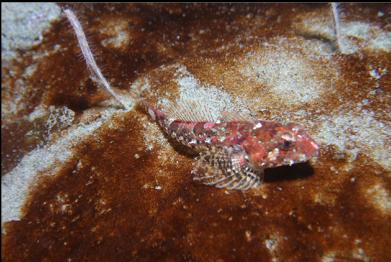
<point>85,180</point>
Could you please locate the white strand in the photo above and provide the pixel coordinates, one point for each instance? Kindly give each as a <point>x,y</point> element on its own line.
<point>334,7</point>
<point>89,57</point>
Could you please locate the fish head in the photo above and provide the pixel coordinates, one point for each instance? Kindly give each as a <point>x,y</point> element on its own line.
<point>274,144</point>
<point>295,145</point>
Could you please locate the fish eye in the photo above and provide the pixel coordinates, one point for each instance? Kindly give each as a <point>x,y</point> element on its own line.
<point>286,144</point>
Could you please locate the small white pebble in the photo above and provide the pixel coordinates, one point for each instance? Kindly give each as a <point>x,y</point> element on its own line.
<point>365,102</point>
<point>375,74</point>
<point>248,235</point>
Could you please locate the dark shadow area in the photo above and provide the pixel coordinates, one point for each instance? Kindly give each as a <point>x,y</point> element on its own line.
<point>297,171</point>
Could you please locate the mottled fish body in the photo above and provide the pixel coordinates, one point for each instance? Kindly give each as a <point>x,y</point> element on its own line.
<point>233,153</point>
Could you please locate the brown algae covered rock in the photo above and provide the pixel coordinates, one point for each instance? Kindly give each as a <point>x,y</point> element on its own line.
<point>83,179</point>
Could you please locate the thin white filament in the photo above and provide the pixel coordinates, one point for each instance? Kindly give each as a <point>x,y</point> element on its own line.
<point>334,7</point>
<point>89,57</point>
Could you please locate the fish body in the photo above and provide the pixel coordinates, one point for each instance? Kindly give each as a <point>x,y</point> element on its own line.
<point>233,153</point>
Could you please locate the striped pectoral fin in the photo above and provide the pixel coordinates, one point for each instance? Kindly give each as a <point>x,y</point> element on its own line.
<point>222,170</point>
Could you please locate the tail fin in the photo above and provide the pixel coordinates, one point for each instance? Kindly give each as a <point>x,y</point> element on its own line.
<point>96,74</point>
<point>147,108</point>
<point>153,112</point>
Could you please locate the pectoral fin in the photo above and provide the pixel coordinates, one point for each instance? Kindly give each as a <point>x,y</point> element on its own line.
<point>223,169</point>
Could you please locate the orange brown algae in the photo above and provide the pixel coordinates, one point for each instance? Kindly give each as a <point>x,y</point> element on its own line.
<point>119,198</point>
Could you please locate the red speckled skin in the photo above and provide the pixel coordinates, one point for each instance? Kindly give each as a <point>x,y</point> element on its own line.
<point>263,143</point>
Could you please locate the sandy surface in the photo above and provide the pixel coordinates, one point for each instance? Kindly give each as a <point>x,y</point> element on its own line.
<point>85,180</point>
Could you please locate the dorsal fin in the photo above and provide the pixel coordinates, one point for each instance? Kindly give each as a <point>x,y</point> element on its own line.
<point>235,116</point>
<point>190,110</point>
<point>222,169</point>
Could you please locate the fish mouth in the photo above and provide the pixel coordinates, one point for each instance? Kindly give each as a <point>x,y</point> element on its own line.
<point>301,158</point>
<point>308,147</point>
<point>309,150</point>
<point>315,152</point>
